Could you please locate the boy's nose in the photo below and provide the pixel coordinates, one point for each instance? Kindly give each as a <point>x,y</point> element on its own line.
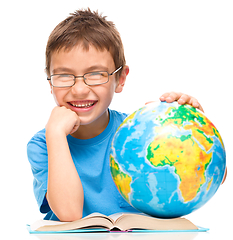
<point>80,88</point>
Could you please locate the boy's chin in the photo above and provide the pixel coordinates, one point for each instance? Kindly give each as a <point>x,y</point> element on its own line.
<point>84,121</point>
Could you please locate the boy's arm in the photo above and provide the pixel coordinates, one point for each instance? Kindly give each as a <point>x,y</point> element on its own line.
<point>65,192</point>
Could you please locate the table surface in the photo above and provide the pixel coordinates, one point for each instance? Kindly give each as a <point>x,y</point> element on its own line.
<point>212,234</point>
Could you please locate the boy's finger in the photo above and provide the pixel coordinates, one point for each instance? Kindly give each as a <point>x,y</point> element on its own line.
<point>164,96</point>
<point>194,102</point>
<point>184,99</point>
<point>172,96</point>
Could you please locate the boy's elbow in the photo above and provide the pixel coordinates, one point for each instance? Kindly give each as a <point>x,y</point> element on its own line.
<point>66,212</point>
<point>69,217</point>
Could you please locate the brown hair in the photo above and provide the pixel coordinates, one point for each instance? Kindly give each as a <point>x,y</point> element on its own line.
<point>87,28</point>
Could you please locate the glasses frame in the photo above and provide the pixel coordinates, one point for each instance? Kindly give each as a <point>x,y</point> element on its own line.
<point>84,79</point>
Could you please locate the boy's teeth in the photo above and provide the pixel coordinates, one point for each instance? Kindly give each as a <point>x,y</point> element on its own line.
<point>83,105</point>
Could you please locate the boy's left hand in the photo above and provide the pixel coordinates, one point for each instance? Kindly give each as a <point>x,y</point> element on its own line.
<point>181,99</point>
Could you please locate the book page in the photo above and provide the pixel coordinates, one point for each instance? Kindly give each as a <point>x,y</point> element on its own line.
<point>119,215</point>
<point>90,221</point>
<point>95,214</point>
<point>115,216</point>
<point>42,223</point>
<point>99,215</point>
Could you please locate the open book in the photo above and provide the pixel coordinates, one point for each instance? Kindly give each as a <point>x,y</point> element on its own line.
<point>116,222</point>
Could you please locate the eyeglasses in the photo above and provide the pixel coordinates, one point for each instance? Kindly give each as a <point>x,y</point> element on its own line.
<point>90,79</point>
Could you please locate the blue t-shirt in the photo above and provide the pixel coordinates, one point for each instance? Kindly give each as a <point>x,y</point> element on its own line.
<point>91,159</point>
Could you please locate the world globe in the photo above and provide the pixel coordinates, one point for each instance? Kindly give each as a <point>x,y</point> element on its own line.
<point>167,160</point>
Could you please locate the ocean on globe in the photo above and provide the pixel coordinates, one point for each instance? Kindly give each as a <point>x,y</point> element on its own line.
<point>167,160</point>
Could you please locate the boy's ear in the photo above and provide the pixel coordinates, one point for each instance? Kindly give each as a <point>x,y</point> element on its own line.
<point>122,79</point>
<point>48,81</point>
<point>51,89</point>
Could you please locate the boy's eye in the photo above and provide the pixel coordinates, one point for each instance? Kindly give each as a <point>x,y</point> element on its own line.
<point>62,80</point>
<point>63,77</point>
<point>96,75</point>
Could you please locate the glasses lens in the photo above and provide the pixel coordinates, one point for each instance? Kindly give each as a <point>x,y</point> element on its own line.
<point>62,80</point>
<point>96,78</point>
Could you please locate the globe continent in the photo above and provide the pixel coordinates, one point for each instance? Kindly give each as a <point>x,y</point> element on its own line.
<point>167,160</point>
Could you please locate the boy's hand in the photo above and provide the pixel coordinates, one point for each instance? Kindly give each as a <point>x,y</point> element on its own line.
<point>63,120</point>
<point>181,99</point>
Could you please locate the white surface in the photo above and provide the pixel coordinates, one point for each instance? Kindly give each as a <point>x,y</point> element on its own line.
<point>121,236</point>
<point>169,45</point>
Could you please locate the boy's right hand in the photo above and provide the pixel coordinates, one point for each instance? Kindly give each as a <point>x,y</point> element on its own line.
<point>63,120</point>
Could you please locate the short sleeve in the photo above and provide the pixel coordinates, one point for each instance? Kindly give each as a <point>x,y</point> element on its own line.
<point>38,159</point>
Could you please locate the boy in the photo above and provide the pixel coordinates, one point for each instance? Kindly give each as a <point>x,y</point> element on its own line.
<point>85,65</point>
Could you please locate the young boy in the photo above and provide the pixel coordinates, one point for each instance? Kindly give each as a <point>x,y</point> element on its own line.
<point>85,65</point>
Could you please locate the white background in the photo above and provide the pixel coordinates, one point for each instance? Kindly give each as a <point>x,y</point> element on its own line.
<point>173,45</point>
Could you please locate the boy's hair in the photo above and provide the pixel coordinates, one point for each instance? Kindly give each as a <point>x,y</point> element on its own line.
<point>86,28</point>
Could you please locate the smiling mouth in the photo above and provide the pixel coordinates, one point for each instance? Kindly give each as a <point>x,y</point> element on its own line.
<point>83,104</point>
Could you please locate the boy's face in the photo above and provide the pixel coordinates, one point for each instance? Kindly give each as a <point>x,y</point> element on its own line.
<point>89,102</point>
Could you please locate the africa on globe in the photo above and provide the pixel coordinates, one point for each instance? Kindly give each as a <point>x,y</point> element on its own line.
<point>167,160</point>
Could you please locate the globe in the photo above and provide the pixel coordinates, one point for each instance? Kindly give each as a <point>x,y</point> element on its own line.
<point>167,160</point>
